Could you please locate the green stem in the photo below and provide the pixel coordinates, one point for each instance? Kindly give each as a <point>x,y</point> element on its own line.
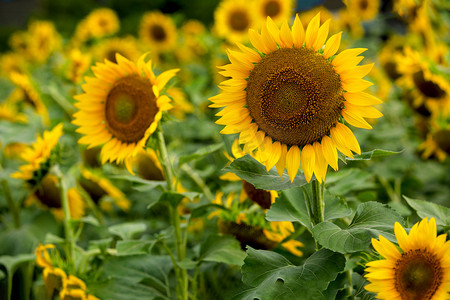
<point>68,231</point>
<point>194,282</point>
<point>182,276</point>
<point>318,204</point>
<point>12,206</point>
<point>199,181</point>
<point>349,289</point>
<point>390,191</point>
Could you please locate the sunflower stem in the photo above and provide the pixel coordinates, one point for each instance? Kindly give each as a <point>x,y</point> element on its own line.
<point>182,280</point>
<point>68,231</point>
<point>318,205</point>
<point>12,206</point>
<point>349,288</point>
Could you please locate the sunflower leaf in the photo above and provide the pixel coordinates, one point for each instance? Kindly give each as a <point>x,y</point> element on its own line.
<point>428,209</point>
<point>199,153</point>
<point>126,231</point>
<point>272,276</point>
<point>224,249</point>
<point>373,154</point>
<point>371,220</point>
<point>250,170</point>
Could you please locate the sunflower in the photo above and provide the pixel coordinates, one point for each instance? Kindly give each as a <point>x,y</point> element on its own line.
<point>233,18</point>
<point>19,41</point>
<point>78,65</point>
<point>158,31</point>
<point>365,9</point>
<point>9,111</point>
<point>125,46</point>
<point>349,21</point>
<point>181,105</point>
<point>420,270</point>
<point>12,62</point>
<point>27,92</point>
<point>101,22</point>
<point>38,154</point>
<point>277,10</point>
<point>47,194</point>
<point>147,165</point>
<point>279,231</point>
<point>427,86</point>
<point>437,143</point>
<point>121,107</point>
<point>291,102</point>
<point>45,39</point>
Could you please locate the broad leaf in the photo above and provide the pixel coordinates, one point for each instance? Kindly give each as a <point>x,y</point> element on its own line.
<point>273,277</point>
<point>199,154</point>
<point>142,185</point>
<point>335,207</point>
<point>222,248</point>
<point>290,206</point>
<point>250,170</point>
<point>371,220</point>
<point>127,230</point>
<point>373,154</point>
<point>133,247</point>
<point>173,198</point>
<point>428,209</point>
<point>119,289</point>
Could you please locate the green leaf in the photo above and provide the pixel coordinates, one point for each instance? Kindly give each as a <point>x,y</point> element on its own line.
<point>141,185</point>
<point>133,247</point>
<point>335,207</point>
<point>273,277</point>
<point>202,210</point>
<point>126,231</point>
<point>199,153</point>
<point>173,198</point>
<point>371,220</point>
<point>250,170</point>
<point>349,180</point>
<point>222,248</point>
<point>119,289</point>
<point>290,206</point>
<point>374,154</point>
<point>11,264</point>
<point>426,209</point>
<point>187,264</point>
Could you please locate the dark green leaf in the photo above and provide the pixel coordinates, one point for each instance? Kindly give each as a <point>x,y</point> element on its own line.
<point>429,209</point>
<point>202,210</point>
<point>371,220</point>
<point>187,264</point>
<point>133,247</point>
<point>273,277</point>
<point>222,248</point>
<point>349,180</point>
<point>174,199</point>
<point>142,185</point>
<point>335,207</point>
<point>373,154</point>
<point>290,206</point>
<point>250,170</point>
<point>127,230</point>
<point>199,153</point>
<point>119,289</point>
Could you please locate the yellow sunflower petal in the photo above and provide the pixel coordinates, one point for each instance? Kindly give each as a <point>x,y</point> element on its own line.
<point>273,29</point>
<point>343,57</point>
<point>320,168</point>
<point>332,45</point>
<point>293,158</point>
<point>308,161</point>
<point>322,35</point>
<point>312,30</point>
<point>275,154</point>
<point>354,119</point>
<point>257,41</point>
<point>348,137</point>
<point>281,164</point>
<point>298,33</point>
<point>286,36</point>
<point>361,99</point>
<point>330,152</point>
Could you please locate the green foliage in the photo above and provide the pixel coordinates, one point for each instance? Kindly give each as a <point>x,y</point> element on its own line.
<point>427,209</point>
<point>224,249</point>
<point>371,220</point>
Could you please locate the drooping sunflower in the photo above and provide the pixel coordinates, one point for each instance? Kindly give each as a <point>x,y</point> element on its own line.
<point>277,10</point>
<point>121,107</point>
<point>233,18</point>
<point>158,31</point>
<point>290,103</point>
<point>365,9</point>
<point>419,270</point>
<point>38,154</point>
<point>427,86</point>
<point>437,142</point>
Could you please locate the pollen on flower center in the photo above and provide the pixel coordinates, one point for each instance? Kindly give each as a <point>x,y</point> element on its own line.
<point>130,108</point>
<point>239,20</point>
<point>295,96</point>
<point>418,275</point>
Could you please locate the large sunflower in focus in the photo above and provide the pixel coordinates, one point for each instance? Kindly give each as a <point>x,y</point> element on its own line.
<point>420,270</point>
<point>289,100</point>
<point>121,107</point>
<point>158,31</point>
<point>233,19</point>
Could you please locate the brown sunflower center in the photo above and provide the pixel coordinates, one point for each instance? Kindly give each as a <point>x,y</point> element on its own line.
<point>418,275</point>
<point>48,192</point>
<point>427,87</point>
<point>111,55</point>
<point>130,108</point>
<point>442,138</point>
<point>272,8</point>
<point>158,33</point>
<point>148,169</point>
<point>238,20</point>
<point>259,196</point>
<point>363,4</point>
<point>294,96</point>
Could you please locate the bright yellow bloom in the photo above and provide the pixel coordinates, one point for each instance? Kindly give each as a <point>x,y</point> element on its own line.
<point>43,257</point>
<point>290,103</point>
<point>279,232</point>
<point>419,270</point>
<point>39,153</point>
<point>365,9</point>
<point>102,22</point>
<point>53,280</point>
<point>78,65</point>
<point>277,10</point>
<point>121,107</point>
<point>158,31</point>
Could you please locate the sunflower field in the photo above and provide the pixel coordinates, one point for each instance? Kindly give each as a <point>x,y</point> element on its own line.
<point>227,149</point>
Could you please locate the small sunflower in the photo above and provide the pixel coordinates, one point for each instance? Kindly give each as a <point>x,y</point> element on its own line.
<point>158,31</point>
<point>78,65</point>
<point>349,21</point>
<point>12,62</point>
<point>277,10</point>
<point>121,107</point>
<point>419,270</point>
<point>428,86</point>
<point>125,46</point>
<point>437,143</point>
<point>38,154</point>
<point>29,94</point>
<point>233,19</point>
<point>9,111</point>
<point>291,102</point>
<point>45,39</point>
<point>279,232</point>
<point>101,22</point>
<point>365,9</point>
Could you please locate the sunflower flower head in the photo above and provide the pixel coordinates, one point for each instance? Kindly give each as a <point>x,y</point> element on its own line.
<point>121,107</point>
<point>289,99</point>
<point>38,154</point>
<point>158,31</point>
<point>419,270</point>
